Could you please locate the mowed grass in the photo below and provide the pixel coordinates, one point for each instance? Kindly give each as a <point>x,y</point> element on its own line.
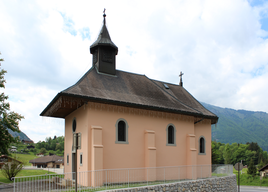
<point>25,158</point>
<point>249,180</point>
<point>24,173</point>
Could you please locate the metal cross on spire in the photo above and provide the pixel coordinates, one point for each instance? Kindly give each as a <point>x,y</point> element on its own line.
<point>104,12</point>
<point>104,15</point>
<point>181,74</point>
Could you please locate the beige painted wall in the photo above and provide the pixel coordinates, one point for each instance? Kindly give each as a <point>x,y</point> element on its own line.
<point>204,130</point>
<point>132,155</point>
<point>81,126</point>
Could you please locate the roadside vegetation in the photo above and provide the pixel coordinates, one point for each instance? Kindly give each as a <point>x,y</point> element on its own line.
<point>249,180</point>
<point>234,153</point>
<point>251,155</point>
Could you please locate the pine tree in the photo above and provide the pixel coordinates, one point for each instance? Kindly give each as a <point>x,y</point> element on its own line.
<point>261,164</point>
<point>252,168</point>
<point>8,119</point>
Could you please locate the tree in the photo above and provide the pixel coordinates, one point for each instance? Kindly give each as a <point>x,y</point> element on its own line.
<point>43,150</point>
<point>261,165</point>
<point>252,169</point>
<point>11,169</point>
<point>8,120</point>
<point>227,154</point>
<point>214,153</point>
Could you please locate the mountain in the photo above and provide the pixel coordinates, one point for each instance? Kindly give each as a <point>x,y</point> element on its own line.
<point>22,135</point>
<point>240,126</point>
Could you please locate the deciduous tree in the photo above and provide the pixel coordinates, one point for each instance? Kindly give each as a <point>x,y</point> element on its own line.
<point>8,119</point>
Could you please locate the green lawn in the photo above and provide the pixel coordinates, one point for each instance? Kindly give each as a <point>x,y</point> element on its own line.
<point>24,173</point>
<point>24,158</point>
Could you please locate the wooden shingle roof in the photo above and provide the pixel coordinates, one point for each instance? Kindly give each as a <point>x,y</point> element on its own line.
<point>129,89</point>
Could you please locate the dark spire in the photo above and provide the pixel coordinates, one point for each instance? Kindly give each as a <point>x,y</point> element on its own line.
<point>104,38</point>
<point>104,51</point>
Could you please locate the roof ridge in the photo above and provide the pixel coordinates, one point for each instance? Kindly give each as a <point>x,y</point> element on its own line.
<point>130,72</point>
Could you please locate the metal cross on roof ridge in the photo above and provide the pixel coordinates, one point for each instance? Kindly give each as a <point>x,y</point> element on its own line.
<point>181,74</point>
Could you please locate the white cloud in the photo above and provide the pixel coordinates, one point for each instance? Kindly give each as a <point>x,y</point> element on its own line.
<point>219,45</point>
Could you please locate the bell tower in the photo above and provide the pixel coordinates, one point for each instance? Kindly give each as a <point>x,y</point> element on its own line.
<point>104,51</point>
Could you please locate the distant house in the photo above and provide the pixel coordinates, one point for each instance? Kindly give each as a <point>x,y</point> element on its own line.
<point>13,149</point>
<point>30,147</point>
<point>49,161</point>
<point>5,159</point>
<point>263,171</point>
<point>26,141</point>
<point>40,154</point>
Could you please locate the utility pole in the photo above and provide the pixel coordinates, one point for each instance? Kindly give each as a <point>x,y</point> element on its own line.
<point>76,145</point>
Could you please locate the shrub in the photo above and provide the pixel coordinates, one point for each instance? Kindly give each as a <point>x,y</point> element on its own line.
<point>11,169</point>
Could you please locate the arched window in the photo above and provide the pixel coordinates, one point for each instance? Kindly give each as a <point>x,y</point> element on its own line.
<point>171,135</point>
<point>202,147</point>
<point>121,131</point>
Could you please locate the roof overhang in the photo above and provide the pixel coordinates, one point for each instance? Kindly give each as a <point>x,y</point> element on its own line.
<point>64,104</point>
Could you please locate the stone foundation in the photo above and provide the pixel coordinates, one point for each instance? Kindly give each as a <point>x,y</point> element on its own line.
<point>219,184</point>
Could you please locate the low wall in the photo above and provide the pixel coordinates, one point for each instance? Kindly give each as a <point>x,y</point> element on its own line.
<point>218,184</point>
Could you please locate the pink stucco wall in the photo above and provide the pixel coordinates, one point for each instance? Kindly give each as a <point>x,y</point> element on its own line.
<point>133,154</point>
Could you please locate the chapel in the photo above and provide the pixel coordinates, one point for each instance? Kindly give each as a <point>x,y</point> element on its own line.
<point>127,120</point>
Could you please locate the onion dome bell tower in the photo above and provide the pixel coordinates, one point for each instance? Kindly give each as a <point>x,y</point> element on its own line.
<point>104,52</point>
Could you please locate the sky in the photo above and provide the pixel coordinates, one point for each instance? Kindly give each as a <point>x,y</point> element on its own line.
<point>220,46</point>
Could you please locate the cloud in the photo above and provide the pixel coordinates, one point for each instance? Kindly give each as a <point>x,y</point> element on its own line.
<point>221,46</point>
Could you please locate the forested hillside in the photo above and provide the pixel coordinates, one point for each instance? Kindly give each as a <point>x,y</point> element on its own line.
<point>21,135</point>
<point>240,126</point>
<point>53,145</point>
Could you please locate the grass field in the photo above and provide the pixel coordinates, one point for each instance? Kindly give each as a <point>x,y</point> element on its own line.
<point>25,158</point>
<point>24,173</point>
